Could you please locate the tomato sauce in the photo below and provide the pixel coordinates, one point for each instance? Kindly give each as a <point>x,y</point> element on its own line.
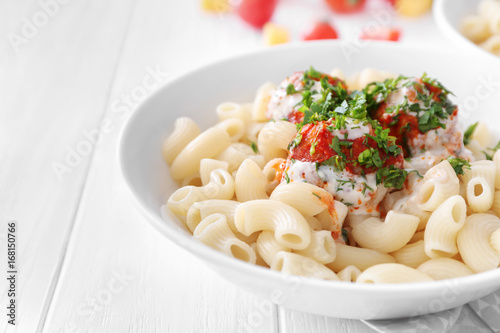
<point>403,126</point>
<point>318,135</point>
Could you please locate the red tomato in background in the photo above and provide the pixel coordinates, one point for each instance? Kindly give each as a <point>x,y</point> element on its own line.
<point>390,34</point>
<point>257,12</point>
<point>321,30</point>
<point>346,6</point>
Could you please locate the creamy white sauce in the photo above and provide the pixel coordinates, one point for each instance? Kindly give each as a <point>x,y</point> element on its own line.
<point>354,129</point>
<point>303,171</point>
<point>430,148</point>
<point>399,96</point>
<point>282,105</point>
<point>344,186</point>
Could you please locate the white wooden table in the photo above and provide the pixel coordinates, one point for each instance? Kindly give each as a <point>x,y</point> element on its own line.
<point>87,261</point>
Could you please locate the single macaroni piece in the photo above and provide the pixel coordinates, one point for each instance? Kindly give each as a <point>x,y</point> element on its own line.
<point>411,255</point>
<point>234,127</point>
<point>250,182</point>
<point>221,186</point>
<point>185,130</point>
<point>259,261</point>
<point>261,100</point>
<point>236,153</point>
<point>440,183</point>
<point>200,210</point>
<point>444,268</point>
<point>230,110</point>
<point>483,135</point>
<point>475,28</point>
<point>214,232</point>
<point>272,171</point>
<point>292,263</point>
<point>207,165</point>
<point>322,247</point>
<point>388,236</point>
<point>290,227</point>
<point>274,138</point>
<point>311,200</point>
<point>267,246</point>
<point>206,145</point>
<point>349,274</point>
<point>479,194</point>
<point>474,242</point>
<point>484,169</point>
<point>441,232</point>
<point>392,273</point>
<point>357,256</point>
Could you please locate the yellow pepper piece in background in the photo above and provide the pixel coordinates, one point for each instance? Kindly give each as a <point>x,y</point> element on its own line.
<point>216,6</point>
<point>275,34</point>
<point>413,8</point>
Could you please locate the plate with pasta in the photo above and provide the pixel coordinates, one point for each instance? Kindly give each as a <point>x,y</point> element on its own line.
<point>471,23</point>
<point>322,181</point>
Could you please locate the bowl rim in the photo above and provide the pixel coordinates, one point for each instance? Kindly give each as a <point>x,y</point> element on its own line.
<point>172,232</point>
<point>438,11</point>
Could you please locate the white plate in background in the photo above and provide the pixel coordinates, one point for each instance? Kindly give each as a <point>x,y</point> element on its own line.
<point>449,15</point>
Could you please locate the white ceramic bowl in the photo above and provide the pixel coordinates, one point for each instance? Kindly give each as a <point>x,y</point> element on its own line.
<point>449,15</point>
<point>197,93</point>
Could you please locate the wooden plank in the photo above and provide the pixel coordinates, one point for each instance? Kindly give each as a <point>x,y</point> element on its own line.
<point>169,290</point>
<point>54,86</point>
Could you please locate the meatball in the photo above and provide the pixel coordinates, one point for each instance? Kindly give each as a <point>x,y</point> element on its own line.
<point>354,160</point>
<point>419,114</point>
<point>287,98</point>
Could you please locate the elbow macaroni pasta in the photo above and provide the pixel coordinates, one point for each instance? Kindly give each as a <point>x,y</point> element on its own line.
<point>474,242</point>
<point>235,199</point>
<point>185,130</point>
<point>214,232</point>
<point>290,227</point>
<point>388,236</point>
<point>292,263</point>
<point>440,183</point>
<point>483,28</point>
<point>444,268</point>
<point>392,273</point>
<point>444,224</point>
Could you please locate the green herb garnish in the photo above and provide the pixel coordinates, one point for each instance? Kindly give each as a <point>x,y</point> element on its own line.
<point>458,164</point>
<point>469,132</point>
